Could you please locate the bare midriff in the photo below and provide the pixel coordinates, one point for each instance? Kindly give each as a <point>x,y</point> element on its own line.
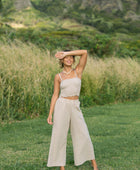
<point>71,97</point>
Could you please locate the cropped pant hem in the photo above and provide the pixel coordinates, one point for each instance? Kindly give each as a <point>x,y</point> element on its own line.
<point>55,165</point>
<point>76,164</point>
<point>80,163</point>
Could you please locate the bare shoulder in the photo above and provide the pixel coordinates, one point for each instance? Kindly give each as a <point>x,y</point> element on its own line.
<point>57,77</point>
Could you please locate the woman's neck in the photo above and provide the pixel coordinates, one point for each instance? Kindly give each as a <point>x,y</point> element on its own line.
<point>67,69</point>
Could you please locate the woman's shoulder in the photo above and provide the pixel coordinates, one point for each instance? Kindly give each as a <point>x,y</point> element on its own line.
<point>58,77</point>
<point>58,74</point>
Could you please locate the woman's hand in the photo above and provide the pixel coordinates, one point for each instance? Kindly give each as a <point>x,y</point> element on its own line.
<point>60,55</point>
<point>49,120</point>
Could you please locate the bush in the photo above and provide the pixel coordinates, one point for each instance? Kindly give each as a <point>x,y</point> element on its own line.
<point>129,49</point>
<point>103,45</point>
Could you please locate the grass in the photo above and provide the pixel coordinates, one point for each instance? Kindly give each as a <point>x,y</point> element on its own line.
<point>114,130</point>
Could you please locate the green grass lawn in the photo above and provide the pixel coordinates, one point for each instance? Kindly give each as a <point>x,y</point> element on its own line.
<point>114,130</point>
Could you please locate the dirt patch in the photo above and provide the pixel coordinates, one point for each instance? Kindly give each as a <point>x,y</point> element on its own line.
<point>15,25</point>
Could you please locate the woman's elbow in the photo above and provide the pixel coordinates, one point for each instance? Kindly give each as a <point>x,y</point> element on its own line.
<point>55,95</point>
<point>85,51</point>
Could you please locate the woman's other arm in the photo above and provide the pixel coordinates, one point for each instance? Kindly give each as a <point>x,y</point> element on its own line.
<point>54,98</point>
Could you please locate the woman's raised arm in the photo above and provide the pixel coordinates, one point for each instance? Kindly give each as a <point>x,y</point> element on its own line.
<point>83,59</point>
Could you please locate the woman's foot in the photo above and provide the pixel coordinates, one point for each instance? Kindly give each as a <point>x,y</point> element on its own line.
<point>62,168</point>
<point>94,164</point>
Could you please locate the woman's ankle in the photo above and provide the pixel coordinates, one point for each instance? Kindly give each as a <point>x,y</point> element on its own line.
<point>94,164</point>
<point>62,168</point>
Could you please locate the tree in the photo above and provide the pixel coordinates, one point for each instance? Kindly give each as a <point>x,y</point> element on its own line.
<point>21,4</point>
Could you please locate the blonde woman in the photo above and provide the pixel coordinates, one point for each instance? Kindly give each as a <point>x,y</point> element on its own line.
<point>67,113</point>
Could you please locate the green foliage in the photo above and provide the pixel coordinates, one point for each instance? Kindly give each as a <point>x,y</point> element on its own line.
<point>104,45</point>
<point>104,22</point>
<point>100,45</point>
<point>97,44</point>
<point>7,7</point>
<point>51,8</point>
<point>107,92</point>
<point>1,6</point>
<point>126,27</point>
<point>7,31</point>
<point>87,101</point>
<point>129,48</point>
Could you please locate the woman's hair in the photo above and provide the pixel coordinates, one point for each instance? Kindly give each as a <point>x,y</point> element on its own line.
<point>61,60</point>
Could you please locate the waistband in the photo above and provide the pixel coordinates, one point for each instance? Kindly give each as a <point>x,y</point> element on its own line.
<point>68,100</point>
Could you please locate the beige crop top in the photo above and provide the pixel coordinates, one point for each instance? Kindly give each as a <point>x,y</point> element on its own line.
<point>70,87</point>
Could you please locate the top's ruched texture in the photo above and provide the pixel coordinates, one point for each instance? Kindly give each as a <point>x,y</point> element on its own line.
<point>70,87</point>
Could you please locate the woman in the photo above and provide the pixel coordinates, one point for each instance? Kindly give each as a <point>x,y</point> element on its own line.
<point>67,113</point>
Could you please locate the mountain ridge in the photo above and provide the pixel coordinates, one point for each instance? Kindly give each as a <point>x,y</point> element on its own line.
<point>125,9</point>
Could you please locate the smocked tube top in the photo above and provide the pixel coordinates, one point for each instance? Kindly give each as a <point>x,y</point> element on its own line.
<point>69,79</point>
<point>70,87</point>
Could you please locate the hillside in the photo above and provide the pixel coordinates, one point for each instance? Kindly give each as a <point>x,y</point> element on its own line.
<point>102,27</point>
<point>106,15</point>
<point>109,6</point>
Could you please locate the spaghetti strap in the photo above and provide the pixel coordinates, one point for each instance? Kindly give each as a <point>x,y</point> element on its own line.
<point>60,76</point>
<point>75,73</point>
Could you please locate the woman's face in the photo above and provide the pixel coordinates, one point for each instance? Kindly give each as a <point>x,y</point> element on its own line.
<point>68,60</point>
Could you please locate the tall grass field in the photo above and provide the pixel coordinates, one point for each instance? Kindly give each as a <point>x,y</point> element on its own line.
<point>27,77</point>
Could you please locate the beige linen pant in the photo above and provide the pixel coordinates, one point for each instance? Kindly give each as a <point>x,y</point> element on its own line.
<point>67,114</point>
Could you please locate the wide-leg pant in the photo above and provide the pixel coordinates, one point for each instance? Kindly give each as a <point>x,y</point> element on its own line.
<point>67,114</point>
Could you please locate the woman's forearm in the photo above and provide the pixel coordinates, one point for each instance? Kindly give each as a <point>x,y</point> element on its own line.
<point>76,52</point>
<point>53,101</point>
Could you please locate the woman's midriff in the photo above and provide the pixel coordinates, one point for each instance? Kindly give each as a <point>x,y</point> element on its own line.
<point>71,97</point>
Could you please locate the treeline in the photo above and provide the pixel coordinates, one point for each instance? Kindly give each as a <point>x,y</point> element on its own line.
<point>99,45</point>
